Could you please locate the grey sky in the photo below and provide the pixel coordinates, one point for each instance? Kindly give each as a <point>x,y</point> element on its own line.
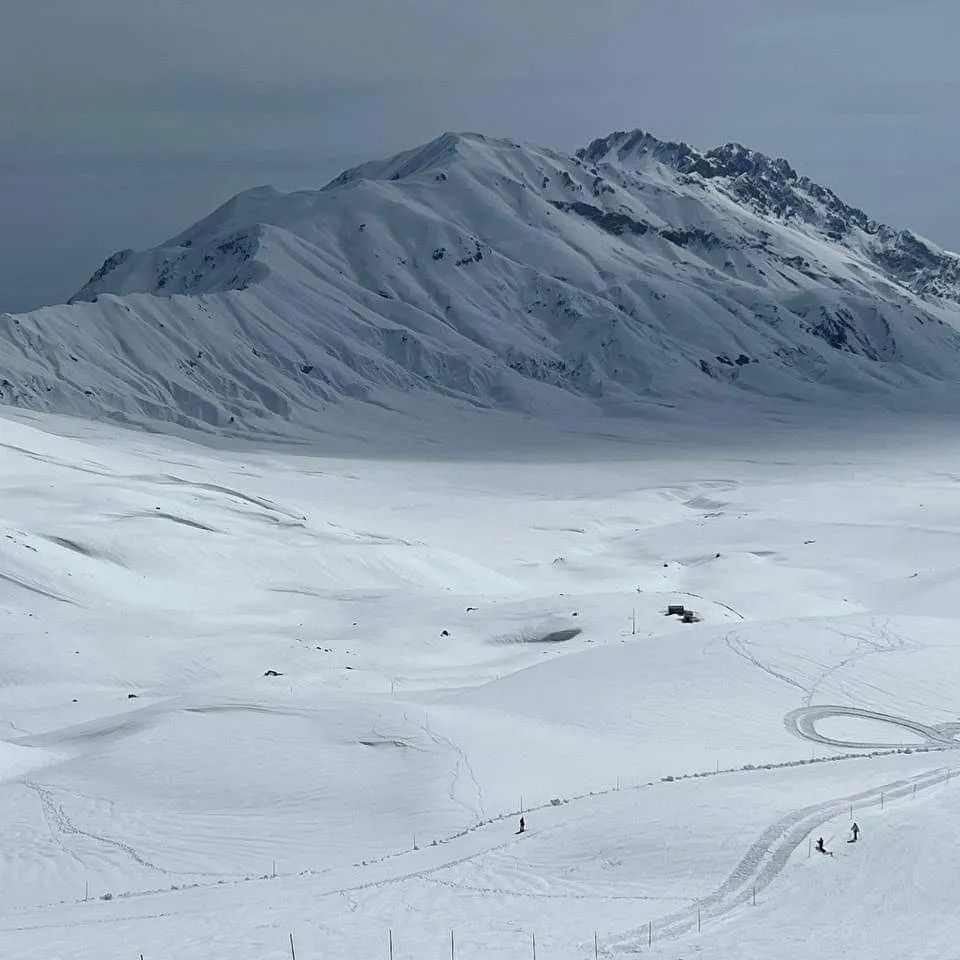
<point>122,121</point>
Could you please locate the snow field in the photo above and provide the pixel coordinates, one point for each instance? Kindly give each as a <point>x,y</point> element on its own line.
<point>407,607</point>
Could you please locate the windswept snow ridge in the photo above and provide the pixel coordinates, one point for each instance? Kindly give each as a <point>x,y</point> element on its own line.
<point>489,273</point>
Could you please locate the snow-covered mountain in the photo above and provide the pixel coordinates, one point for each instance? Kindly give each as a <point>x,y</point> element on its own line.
<point>499,274</point>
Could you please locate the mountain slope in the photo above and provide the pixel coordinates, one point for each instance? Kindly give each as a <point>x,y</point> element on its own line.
<point>496,274</point>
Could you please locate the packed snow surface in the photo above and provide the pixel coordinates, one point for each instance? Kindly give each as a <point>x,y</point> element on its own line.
<point>249,693</point>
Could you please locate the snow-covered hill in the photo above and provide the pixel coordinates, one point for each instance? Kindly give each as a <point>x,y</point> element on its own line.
<point>495,274</point>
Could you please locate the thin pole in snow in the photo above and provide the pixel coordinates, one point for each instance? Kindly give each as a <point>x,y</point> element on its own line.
<point>86,890</point>
<point>390,943</point>
<point>452,948</point>
<point>698,916</point>
<point>649,933</point>
<point>293,952</point>
<point>809,846</point>
<point>274,867</point>
<point>634,618</point>
<point>881,799</point>
<point>534,937</point>
<point>596,946</point>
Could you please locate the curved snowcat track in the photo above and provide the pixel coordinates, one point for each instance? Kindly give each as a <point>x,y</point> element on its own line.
<point>803,723</point>
<point>766,859</point>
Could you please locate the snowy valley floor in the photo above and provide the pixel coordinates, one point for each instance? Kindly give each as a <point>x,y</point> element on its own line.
<point>161,795</point>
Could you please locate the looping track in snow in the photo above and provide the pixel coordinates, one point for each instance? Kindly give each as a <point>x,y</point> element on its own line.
<point>803,723</point>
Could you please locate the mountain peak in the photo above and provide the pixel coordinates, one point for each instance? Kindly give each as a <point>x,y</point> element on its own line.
<point>628,146</point>
<point>502,274</point>
<point>437,154</point>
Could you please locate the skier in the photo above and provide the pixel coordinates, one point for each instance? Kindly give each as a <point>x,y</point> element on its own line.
<point>523,825</point>
<point>822,849</point>
<point>855,830</point>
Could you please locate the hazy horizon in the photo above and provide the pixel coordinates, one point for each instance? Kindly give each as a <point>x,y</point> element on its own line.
<point>120,127</point>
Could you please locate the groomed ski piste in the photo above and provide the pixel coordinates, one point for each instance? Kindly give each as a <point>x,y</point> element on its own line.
<point>250,692</point>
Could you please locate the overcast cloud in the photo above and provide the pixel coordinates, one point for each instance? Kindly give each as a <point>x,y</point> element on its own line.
<point>122,121</point>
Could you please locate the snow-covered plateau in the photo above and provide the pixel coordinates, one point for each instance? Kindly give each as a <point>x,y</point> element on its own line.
<point>457,641</point>
<point>339,532</point>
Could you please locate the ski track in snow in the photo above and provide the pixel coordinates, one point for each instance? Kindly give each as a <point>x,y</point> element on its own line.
<point>763,862</point>
<point>767,857</point>
<point>62,826</point>
<point>463,764</point>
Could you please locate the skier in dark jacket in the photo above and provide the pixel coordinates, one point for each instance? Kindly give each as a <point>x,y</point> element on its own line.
<point>523,825</point>
<point>822,849</point>
<point>855,830</point>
